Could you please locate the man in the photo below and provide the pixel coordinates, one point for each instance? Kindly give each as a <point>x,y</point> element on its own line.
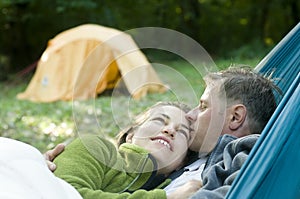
<point>235,106</point>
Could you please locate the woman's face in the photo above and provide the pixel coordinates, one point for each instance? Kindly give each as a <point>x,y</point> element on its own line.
<point>166,135</point>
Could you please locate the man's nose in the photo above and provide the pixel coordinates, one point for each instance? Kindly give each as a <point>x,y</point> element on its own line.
<point>191,115</point>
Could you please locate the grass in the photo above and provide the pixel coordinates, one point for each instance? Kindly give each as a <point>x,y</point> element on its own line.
<point>44,125</point>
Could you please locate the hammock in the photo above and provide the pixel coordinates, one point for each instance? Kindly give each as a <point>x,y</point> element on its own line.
<point>283,61</point>
<point>271,170</point>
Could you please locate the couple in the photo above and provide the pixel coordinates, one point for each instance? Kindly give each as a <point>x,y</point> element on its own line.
<point>221,134</point>
<point>235,106</point>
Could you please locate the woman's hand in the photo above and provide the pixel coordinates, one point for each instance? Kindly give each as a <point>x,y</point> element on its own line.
<point>52,154</point>
<point>186,190</point>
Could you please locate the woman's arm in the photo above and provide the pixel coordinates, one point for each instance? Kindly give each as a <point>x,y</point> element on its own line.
<point>95,168</point>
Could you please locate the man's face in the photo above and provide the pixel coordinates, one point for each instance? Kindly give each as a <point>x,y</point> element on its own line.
<point>207,120</point>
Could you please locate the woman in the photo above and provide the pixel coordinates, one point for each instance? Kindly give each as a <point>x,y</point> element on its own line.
<point>154,146</point>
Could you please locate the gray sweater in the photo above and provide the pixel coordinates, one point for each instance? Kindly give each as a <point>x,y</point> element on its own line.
<point>223,165</point>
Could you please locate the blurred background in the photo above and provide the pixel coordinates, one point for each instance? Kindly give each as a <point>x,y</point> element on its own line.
<point>225,28</point>
<point>231,31</point>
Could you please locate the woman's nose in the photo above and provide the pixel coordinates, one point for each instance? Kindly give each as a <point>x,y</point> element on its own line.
<point>169,131</point>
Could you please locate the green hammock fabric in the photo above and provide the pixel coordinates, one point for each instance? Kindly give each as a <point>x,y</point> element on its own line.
<point>271,171</point>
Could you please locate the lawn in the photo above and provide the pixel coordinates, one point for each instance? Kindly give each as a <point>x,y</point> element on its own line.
<point>43,125</point>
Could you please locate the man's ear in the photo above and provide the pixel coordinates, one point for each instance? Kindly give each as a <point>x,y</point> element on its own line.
<point>238,116</point>
<point>129,138</point>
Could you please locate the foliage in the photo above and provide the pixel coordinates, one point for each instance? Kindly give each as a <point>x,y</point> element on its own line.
<point>221,26</point>
<point>37,124</point>
<point>44,125</point>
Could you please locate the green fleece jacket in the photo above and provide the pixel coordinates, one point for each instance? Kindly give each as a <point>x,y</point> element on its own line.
<point>98,171</point>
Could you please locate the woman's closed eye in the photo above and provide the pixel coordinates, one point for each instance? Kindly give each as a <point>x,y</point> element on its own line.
<point>184,132</point>
<point>181,129</point>
<point>159,119</point>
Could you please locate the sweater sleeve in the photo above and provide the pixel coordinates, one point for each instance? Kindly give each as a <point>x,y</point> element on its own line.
<point>219,176</point>
<point>98,194</point>
<point>94,167</point>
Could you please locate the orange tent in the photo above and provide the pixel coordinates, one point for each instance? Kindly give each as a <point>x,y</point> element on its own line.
<point>82,62</point>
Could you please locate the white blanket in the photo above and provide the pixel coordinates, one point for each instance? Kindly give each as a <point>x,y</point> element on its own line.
<point>24,174</point>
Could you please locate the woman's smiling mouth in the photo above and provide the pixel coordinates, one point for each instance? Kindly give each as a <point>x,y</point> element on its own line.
<point>164,141</point>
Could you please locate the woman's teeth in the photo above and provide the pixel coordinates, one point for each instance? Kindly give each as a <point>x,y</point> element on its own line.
<point>164,143</point>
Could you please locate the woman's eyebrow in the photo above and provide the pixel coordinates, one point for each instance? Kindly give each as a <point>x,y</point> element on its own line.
<point>166,116</point>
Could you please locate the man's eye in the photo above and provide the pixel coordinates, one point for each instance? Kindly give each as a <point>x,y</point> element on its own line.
<point>202,107</point>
